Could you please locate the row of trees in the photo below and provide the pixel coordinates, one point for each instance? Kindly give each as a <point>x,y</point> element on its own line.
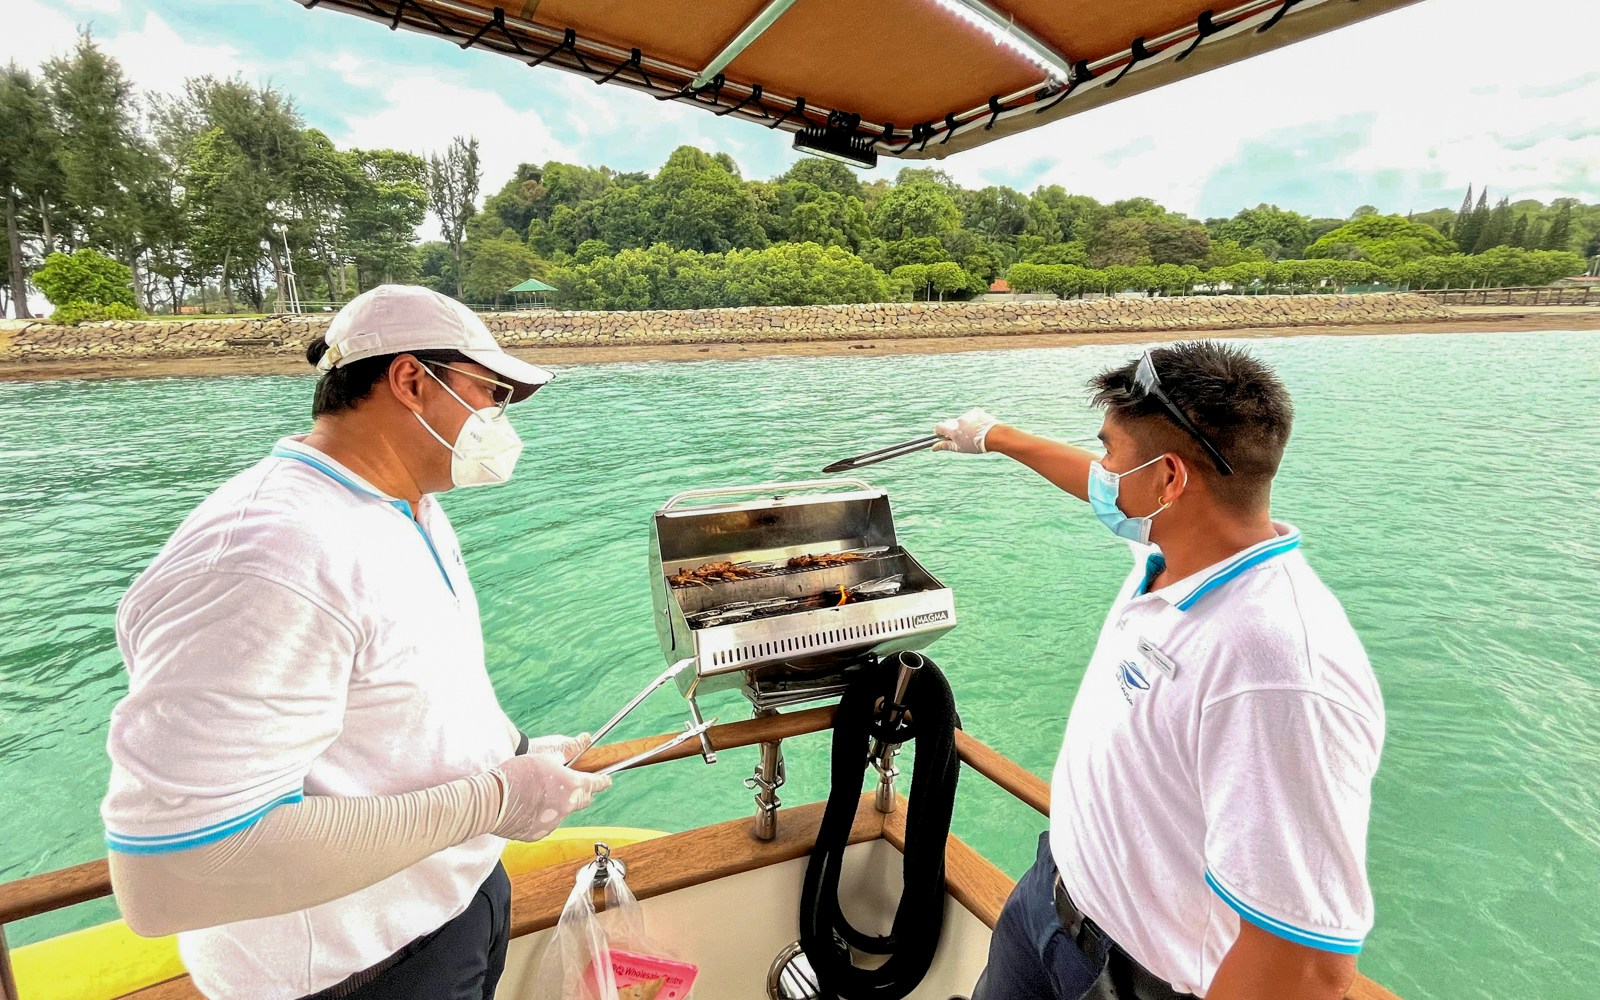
<point>218,188</point>
<point>1500,266</point>
<point>208,197</point>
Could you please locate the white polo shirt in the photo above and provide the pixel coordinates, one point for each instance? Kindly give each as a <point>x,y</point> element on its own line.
<point>1218,765</point>
<point>300,634</point>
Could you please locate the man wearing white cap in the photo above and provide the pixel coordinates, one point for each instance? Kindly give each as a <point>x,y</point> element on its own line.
<point>312,779</point>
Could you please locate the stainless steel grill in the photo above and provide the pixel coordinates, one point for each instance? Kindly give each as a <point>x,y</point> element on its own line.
<point>787,633</point>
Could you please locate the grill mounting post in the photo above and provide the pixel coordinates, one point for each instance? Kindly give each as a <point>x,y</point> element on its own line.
<point>769,777</point>
<point>883,754</point>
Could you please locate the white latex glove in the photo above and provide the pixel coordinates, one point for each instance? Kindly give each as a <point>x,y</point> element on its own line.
<point>539,790</point>
<point>965,433</point>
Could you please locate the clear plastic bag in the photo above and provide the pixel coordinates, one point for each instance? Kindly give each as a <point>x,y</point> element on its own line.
<point>591,947</point>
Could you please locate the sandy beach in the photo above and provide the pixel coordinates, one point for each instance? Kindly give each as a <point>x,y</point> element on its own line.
<point>1473,319</point>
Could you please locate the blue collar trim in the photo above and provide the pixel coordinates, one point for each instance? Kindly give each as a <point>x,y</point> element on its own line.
<point>1254,556</point>
<point>334,474</point>
<point>1153,565</point>
<point>350,484</point>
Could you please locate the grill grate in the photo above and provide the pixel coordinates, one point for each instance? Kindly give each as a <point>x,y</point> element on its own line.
<point>782,569</point>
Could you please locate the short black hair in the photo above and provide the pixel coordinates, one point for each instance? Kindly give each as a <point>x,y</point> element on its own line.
<point>342,388</point>
<point>1235,400</point>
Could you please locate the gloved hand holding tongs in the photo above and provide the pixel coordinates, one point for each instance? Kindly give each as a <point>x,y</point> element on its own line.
<point>693,731</point>
<point>963,434</point>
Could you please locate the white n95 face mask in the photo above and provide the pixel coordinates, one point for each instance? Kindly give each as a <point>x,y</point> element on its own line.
<point>486,450</point>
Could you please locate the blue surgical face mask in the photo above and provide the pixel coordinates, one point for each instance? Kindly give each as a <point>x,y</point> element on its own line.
<point>1103,489</point>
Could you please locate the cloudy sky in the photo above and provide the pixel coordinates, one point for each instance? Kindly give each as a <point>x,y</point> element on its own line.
<point>1401,112</point>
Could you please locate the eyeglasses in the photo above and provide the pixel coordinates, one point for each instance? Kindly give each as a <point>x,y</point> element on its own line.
<point>1144,376</point>
<point>503,391</point>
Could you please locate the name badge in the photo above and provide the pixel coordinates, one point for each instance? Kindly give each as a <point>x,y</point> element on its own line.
<point>1156,656</point>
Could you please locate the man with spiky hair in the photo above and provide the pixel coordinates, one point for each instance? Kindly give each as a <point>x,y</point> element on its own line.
<point>1209,807</point>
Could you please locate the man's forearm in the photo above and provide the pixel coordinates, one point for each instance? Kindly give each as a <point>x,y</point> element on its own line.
<point>1262,966</point>
<point>1065,465</point>
<point>300,855</point>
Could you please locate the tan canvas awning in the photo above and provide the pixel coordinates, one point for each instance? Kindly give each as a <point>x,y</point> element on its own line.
<point>909,78</point>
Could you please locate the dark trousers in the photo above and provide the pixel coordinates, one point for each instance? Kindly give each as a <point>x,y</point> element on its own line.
<point>1031,956</point>
<point>462,960</point>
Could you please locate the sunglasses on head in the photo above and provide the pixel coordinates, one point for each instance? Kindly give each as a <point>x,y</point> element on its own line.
<point>1145,378</point>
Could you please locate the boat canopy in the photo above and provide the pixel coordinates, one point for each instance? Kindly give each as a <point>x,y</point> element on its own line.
<point>855,79</point>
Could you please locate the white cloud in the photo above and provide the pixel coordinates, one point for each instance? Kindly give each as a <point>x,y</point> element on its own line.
<point>154,56</point>
<point>34,32</point>
<point>159,59</point>
<point>1392,111</point>
<point>1452,93</point>
<point>423,114</point>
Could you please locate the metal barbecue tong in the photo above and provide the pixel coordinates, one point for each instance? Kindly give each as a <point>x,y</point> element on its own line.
<point>883,454</point>
<point>696,729</point>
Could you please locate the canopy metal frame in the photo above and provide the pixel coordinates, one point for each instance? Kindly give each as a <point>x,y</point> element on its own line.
<point>1143,64</point>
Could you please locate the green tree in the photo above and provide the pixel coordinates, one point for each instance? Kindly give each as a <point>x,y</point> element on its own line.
<point>1384,240</point>
<point>925,250</point>
<point>436,267</point>
<point>324,184</point>
<point>1061,253</point>
<point>387,204</point>
<point>515,205</point>
<point>910,279</point>
<point>1138,208</point>
<point>87,277</point>
<point>1042,223</point>
<point>1268,228</point>
<point>806,213</point>
<point>801,274</point>
<point>1175,240</point>
<point>26,164</point>
<point>827,175</point>
<point>1497,228</point>
<point>1226,253</point>
<point>1077,215</point>
<point>1559,235</point>
<point>590,250</point>
<point>242,149</point>
<point>453,192</point>
<point>104,160</point>
<point>1519,232</point>
<point>1468,234</point>
<point>918,209</point>
<point>700,205</point>
<point>996,211</point>
<point>946,277</point>
<point>1241,276</point>
<point>1122,241</point>
<point>497,267</point>
<point>622,217</point>
<point>1462,232</point>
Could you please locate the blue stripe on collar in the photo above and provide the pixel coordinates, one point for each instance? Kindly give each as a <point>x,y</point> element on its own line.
<point>329,471</point>
<point>399,505</point>
<point>1251,557</point>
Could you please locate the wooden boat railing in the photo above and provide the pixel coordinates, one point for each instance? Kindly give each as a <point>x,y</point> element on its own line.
<point>660,866</point>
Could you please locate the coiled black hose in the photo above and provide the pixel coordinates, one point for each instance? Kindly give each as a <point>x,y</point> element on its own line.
<point>919,917</point>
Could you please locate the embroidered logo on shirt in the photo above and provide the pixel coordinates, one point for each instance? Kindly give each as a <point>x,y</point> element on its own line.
<point>1130,679</point>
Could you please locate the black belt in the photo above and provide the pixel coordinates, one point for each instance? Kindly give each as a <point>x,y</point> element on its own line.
<point>1123,978</point>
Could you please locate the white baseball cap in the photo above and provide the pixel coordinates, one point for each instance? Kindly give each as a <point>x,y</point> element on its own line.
<point>396,319</point>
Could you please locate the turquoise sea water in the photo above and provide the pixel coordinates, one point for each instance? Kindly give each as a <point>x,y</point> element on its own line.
<point>1447,488</point>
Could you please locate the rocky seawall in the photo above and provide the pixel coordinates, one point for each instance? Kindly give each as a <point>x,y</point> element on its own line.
<point>177,337</point>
